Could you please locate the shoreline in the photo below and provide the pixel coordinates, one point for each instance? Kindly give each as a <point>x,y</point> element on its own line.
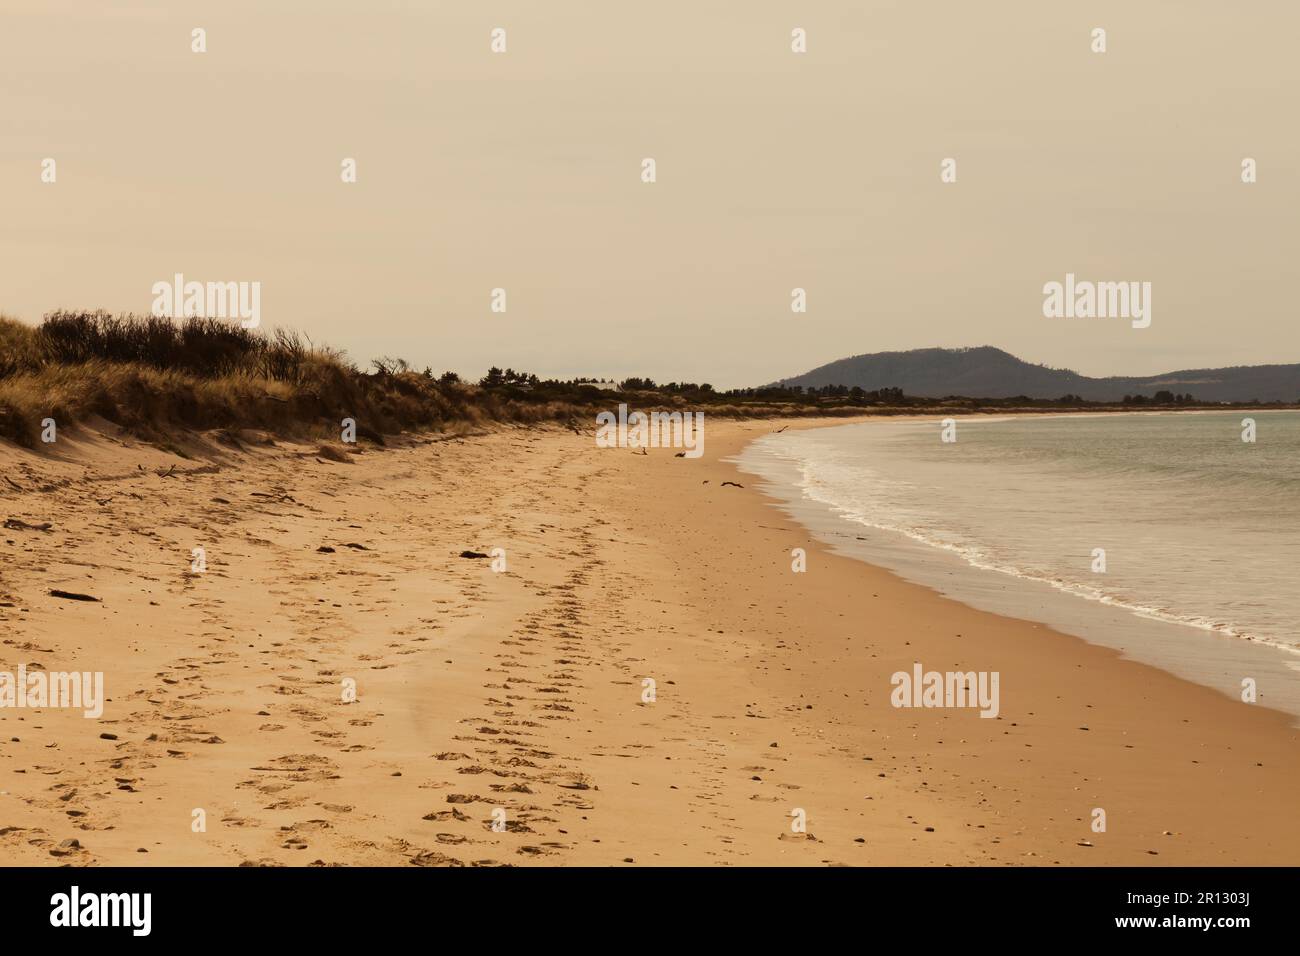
<point>1156,694</point>
<point>524,690</point>
<point>1187,648</point>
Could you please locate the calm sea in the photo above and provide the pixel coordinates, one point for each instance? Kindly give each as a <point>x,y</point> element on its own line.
<point>1201,530</point>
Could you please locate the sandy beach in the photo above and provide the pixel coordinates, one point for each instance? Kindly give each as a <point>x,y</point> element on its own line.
<point>518,696</point>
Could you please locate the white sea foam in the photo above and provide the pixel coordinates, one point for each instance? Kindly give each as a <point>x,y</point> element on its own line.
<point>1201,531</point>
<point>816,489</point>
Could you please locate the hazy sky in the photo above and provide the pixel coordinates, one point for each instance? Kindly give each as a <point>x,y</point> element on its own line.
<point>775,170</point>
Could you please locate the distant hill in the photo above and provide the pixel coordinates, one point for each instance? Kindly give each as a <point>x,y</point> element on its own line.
<point>988,372</point>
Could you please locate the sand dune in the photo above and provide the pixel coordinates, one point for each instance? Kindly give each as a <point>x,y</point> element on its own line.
<point>501,717</point>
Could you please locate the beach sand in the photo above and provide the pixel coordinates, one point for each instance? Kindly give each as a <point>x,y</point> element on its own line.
<point>522,691</point>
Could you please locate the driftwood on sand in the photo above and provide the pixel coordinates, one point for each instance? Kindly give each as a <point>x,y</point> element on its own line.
<point>71,595</point>
<point>18,524</point>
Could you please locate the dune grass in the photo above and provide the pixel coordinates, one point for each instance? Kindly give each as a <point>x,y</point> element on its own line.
<point>153,376</point>
<point>157,377</point>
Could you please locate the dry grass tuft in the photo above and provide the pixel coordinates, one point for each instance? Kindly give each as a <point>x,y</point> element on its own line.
<point>153,376</point>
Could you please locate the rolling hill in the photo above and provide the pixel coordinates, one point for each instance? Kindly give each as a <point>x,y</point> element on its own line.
<point>988,372</point>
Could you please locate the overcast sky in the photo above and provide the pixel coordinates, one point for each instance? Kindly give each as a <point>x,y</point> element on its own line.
<point>775,170</point>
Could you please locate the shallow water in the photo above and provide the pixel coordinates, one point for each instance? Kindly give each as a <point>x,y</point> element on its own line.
<point>1200,530</point>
